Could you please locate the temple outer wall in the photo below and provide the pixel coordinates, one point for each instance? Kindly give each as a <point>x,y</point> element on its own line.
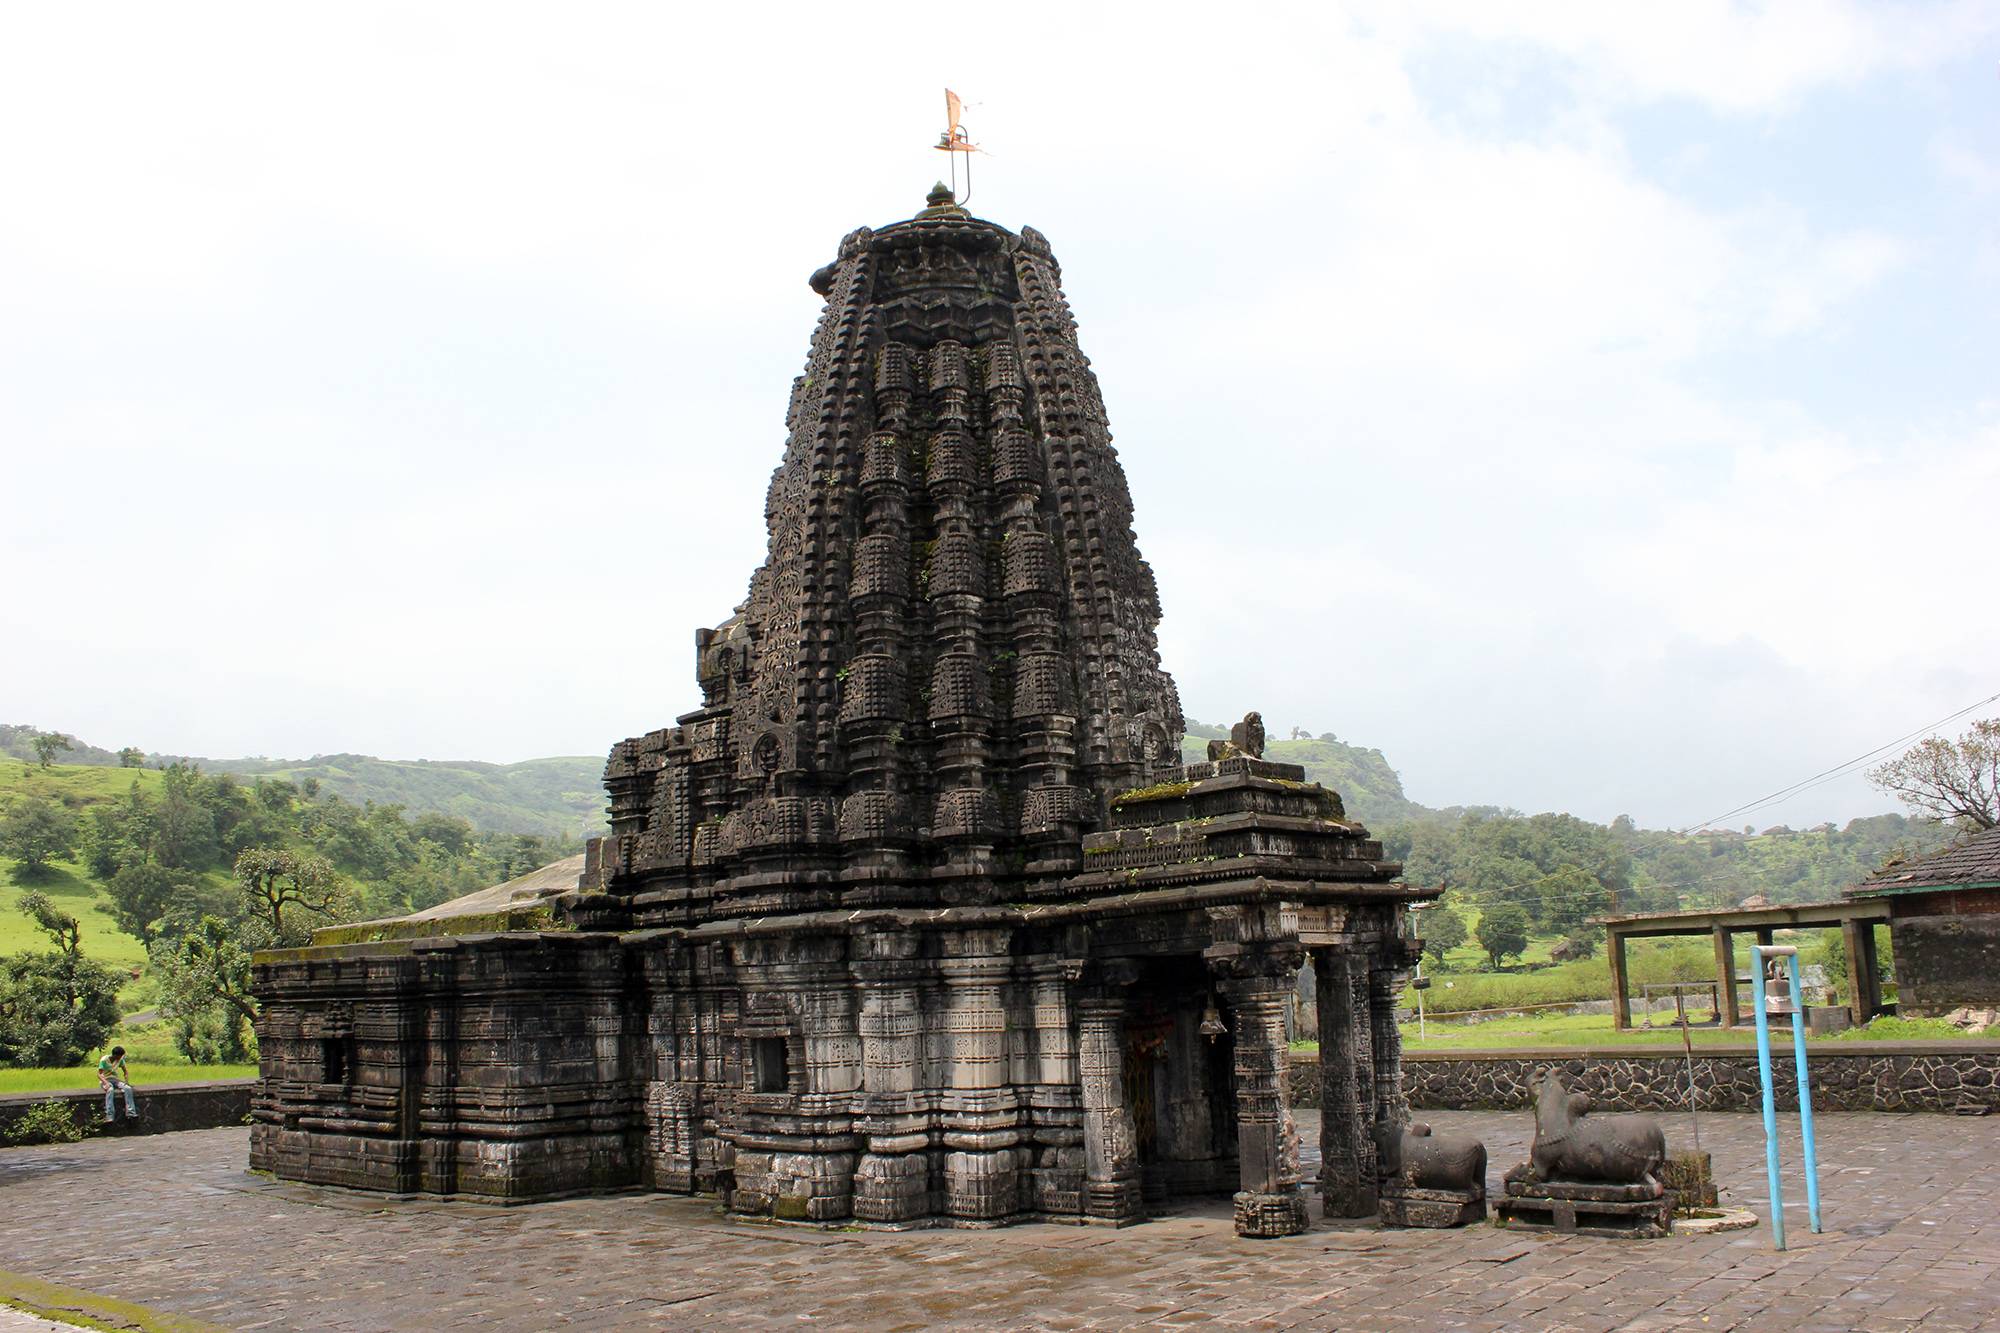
<point>1862,1076</point>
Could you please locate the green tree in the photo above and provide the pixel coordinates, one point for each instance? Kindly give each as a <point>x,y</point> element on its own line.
<point>1949,780</point>
<point>527,854</point>
<point>290,892</point>
<point>1503,931</point>
<point>52,745</point>
<point>142,893</point>
<point>1570,895</point>
<point>183,834</point>
<point>131,757</point>
<point>57,1006</point>
<point>1578,944</point>
<point>205,990</point>
<point>63,930</point>
<point>35,832</point>
<point>1444,930</point>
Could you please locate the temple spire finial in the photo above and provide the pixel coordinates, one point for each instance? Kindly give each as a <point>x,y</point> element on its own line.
<point>942,202</point>
<point>954,141</point>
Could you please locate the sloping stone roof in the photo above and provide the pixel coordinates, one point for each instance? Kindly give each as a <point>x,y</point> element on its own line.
<point>552,879</point>
<point>522,903</point>
<point>1973,861</point>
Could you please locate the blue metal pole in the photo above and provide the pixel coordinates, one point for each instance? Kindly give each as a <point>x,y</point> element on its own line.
<point>1805,1100</point>
<point>1770,1098</point>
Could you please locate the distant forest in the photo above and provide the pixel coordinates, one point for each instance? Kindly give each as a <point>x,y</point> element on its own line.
<point>1563,870</point>
<point>561,797</point>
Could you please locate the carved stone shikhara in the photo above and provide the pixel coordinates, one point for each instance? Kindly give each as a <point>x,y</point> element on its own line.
<point>918,919</point>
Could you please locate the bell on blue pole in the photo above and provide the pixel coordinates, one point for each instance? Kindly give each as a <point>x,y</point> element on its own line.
<point>1774,980</point>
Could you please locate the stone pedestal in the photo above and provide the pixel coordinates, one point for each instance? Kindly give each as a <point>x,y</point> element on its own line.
<point>1623,1212</point>
<point>1263,1216</point>
<point>1407,1207</point>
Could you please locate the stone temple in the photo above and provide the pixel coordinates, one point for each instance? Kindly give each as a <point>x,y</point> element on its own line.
<point>919,918</point>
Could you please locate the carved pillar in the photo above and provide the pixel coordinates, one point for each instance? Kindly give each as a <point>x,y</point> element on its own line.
<point>982,1113</point>
<point>1347,1153</point>
<point>892,1178</point>
<point>1383,985</point>
<point>1053,1101</point>
<point>1111,1188</point>
<point>1257,956</point>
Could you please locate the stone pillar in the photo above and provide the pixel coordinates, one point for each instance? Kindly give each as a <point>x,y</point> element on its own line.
<point>1111,1189</point>
<point>981,1120</point>
<point>1268,1200</point>
<point>1054,1161</point>
<point>1383,985</point>
<point>1346,1150</point>
<point>892,1178</point>
<point>1621,1003</point>
<point>1725,977</point>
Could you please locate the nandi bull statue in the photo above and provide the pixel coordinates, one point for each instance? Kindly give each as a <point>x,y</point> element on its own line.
<point>1428,1180</point>
<point>1592,1173</point>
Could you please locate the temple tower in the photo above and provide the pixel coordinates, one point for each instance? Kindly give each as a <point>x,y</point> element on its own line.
<point>947,662</point>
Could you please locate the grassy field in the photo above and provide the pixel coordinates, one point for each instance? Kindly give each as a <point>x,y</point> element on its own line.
<point>72,892</point>
<point>1559,1030</point>
<point>69,1080</point>
<point>1581,1030</point>
<point>149,1054</point>
<point>75,784</point>
<point>67,885</point>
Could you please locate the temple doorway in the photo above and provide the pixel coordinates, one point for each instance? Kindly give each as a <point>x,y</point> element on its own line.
<point>1180,1083</point>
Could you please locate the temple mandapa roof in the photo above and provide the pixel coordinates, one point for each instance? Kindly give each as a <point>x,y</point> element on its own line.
<point>522,903</point>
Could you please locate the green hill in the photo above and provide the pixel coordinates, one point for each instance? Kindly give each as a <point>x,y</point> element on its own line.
<point>1368,786</point>
<point>562,796</point>
<point>556,797</point>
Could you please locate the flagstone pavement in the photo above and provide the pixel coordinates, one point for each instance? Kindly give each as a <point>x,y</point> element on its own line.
<point>175,1223</point>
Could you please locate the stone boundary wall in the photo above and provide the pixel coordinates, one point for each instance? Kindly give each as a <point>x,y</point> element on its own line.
<point>163,1107</point>
<point>1857,1076</point>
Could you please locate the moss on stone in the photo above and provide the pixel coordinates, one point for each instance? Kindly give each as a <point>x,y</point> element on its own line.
<point>1158,792</point>
<point>536,918</point>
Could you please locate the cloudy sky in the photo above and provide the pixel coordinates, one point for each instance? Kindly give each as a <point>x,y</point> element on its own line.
<point>1592,406</point>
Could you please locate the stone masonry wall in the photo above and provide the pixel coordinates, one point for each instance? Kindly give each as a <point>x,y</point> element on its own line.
<point>1945,962</point>
<point>1873,1076</point>
<point>163,1107</point>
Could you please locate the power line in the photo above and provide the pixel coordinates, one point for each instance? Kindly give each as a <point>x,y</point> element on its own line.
<point>1838,770</point>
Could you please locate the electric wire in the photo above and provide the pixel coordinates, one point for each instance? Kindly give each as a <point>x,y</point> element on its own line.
<point>1838,770</point>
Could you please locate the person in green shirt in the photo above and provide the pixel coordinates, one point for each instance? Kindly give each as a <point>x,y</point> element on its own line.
<point>113,1078</point>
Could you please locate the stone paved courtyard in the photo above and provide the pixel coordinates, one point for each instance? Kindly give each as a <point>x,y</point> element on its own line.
<point>174,1222</point>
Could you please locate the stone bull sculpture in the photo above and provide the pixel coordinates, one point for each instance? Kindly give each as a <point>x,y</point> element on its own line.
<point>1573,1145</point>
<point>1428,1180</point>
<point>1411,1156</point>
<point>1596,1174</point>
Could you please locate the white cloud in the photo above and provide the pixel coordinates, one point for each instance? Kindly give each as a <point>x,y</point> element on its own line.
<point>418,372</point>
<point>1731,57</point>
